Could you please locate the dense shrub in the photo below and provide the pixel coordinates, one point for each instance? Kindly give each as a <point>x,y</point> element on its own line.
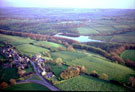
<point>94,74</point>
<point>103,76</point>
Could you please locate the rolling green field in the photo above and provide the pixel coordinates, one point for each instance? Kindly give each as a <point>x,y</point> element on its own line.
<point>49,44</point>
<point>28,49</point>
<point>23,44</point>
<point>127,37</point>
<point>87,83</point>
<point>27,86</point>
<point>95,62</point>
<point>90,60</point>
<point>67,55</point>
<point>15,40</point>
<point>128,54</point>
<point>57,69</point>
<point>86,31</point>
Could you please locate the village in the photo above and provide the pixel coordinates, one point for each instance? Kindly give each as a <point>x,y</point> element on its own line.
<point>21,62</point>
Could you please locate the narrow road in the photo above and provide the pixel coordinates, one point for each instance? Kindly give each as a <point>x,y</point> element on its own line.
<point>44,82</point>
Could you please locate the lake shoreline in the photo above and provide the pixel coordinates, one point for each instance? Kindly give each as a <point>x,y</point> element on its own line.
<point>80,38</point>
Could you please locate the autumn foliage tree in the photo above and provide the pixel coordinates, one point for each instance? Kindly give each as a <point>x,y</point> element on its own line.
<point>58,61</point>
<point>94,74</point>
<point>12,81</point>
<point>132,81</point>
<point>130,63</point>
<point>103,76</point>
<point>72,71</point>
<point>3,85</point>
<point>70,48</point>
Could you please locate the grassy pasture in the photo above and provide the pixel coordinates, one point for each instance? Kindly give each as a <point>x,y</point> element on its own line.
<point>102,38</point>
<point>23,46</point>
<point>7,73</point>
<point>128,54</point>
<point>28,49</point>
<point>86,31</point>
<point>87,83</point>
<point>96,62</point>
<point>120,26</point>
<point>45,43</point>
<point>113,70</point>
<point>15,40</point>
<point>104,28</point>
<point>123,38</point>
<point>67,55</point>
<point>27,86</point>
<point>57,69</point>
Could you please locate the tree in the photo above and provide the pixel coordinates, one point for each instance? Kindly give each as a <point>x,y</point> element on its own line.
<point>84,51</point>
<point>132,81</point>
<point>47,54</point>
<point>12,81</point>
<point>72,71</point>
<point>3,85</point>
<point>58,61</point>
<point>70,48</point>
<point>59,41</point>
<point>94,74</point>
<point>66,44</point>
<point>61,48</point>
<point>103,76</point>
<point>83,69</point>
<point>21,72</point>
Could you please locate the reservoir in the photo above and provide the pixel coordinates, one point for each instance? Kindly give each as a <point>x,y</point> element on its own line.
<point>80,38</point>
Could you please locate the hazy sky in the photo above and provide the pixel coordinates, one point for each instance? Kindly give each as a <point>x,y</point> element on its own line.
<point>70,3</point>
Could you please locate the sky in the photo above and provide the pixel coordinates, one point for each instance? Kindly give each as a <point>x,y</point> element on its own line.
<point>119,4</point>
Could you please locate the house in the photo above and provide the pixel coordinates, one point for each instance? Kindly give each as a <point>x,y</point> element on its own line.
<point>38,56</point>
<point>49,75</point>
<point>43,73</point>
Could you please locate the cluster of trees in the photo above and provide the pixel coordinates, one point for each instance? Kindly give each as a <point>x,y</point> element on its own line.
<point>92,49</point>
<point>130,63</point>
<point>115,53</point>
<point>58,61</point>
<point>132,81</point>
<point>107,46</point>
<point>103,76</point>
<point>72,71</point>
<point>5,84</point>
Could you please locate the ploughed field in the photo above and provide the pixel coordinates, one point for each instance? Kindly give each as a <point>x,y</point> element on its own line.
<point>83,82</point>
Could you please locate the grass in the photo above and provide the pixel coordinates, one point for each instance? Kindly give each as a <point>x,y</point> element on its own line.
<point>113,70</point>
<point>86,31</point>
<point>57,69</point>
<point>102,38</point>
<point>123,38</point>
<point>95,62</point>
<point>45,43</point>
<point>29,69</point>
<point>67,55</point>
<point>15,40</point>
<point>87,83</point>
<point>8,73</point>
<point>35,77</point>
<point>28,86</point>
<point>128,54</point>
<point>28,49</point>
